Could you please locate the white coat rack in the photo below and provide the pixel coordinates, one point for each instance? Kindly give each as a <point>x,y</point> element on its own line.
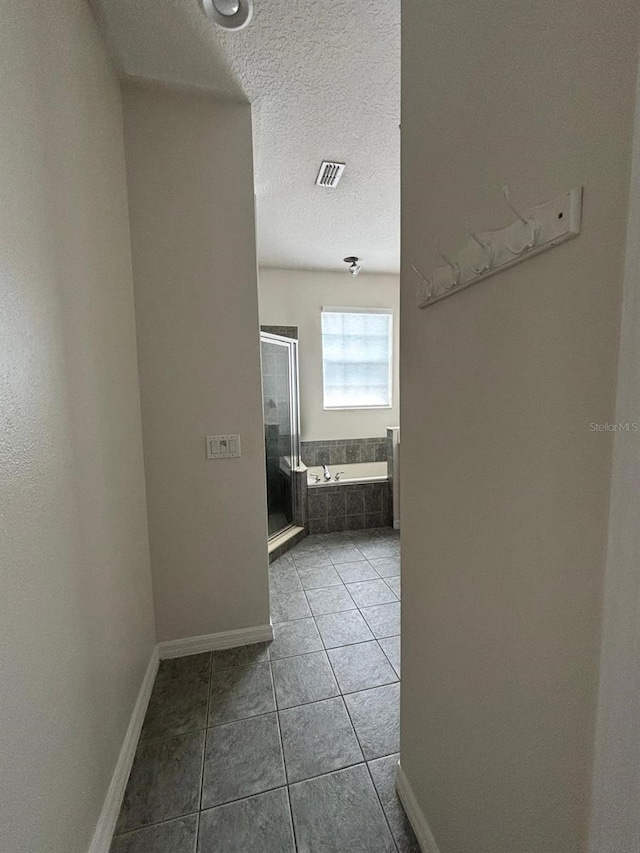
<point>488,252</point>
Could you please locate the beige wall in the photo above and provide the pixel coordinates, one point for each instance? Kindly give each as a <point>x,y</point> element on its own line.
<point>505,487</point>
<point>76,622</point>
<point>295,298</point>
<point>189,161</point>
<point>615,819</point>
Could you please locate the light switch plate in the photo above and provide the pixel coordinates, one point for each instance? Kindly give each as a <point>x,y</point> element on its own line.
<point>223,446</point>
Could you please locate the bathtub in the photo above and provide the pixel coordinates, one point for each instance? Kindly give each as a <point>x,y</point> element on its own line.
<point>351,473</point>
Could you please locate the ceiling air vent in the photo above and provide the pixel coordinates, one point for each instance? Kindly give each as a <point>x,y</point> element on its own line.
<point>329,174</point>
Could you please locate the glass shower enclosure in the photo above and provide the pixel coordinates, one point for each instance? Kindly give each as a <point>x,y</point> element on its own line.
<point>281,427</point>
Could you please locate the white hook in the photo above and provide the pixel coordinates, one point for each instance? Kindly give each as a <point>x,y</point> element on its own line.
<point>417,271</point>
<point>455,269</point>
<point>486,247</point>
<point>474,236</point>
<point>426,287</point>
<point>453,266</point>
<point>505,193</point>
<point>532,223</point>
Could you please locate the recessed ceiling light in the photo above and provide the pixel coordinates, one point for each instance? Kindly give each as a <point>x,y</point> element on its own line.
<point>230,14</point>
<point>227,7</point>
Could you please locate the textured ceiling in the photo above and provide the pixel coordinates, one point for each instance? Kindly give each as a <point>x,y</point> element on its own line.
<point>323,79</point>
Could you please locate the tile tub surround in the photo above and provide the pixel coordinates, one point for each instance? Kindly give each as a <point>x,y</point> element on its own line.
<point>288,746</point>
<point>342,450</point>
<point>345,507</point>
<point>393,461</point>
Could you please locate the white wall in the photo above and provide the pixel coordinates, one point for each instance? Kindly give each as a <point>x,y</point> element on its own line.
<point>505,487</point>
<point>76,621</point>
<point>295,298</point>
<point>190,172</point>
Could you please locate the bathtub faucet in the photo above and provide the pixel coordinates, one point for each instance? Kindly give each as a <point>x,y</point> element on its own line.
<point>337,476</point>
<point>327,474</point>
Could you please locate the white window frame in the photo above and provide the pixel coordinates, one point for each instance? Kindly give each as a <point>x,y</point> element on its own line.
<point>326,309</point>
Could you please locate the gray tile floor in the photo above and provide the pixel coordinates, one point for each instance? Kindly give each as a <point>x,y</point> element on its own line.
<point>288,746</point>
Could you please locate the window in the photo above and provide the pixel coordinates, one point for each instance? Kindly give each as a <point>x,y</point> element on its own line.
<point>356,358</point>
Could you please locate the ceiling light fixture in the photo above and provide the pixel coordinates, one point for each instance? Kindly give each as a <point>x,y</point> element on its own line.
<point>354,266</point>
<point>230,14</point>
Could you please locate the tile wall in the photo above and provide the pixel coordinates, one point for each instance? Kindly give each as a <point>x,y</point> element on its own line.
<point>344,450</point>
<point>283,331</point>
<point>349,507</point>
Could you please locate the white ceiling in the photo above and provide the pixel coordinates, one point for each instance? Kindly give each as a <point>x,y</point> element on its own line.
<point>323,79</point>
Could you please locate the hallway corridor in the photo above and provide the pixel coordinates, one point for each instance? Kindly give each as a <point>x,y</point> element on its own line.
<point>237,743</point>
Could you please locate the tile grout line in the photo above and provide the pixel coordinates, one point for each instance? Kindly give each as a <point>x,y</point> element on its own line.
<point>357,763</point>
<point>384,813</point>
<point>204,747</point>
<point>284,760</point>
<point>159,739</point>
<point>313,701</point>
<point>344,705</point>
<point>197,834</point>
<point>331,613</point>
<point>392,665</point>
<point>241,799</point>
<point>377,641</point>
<point>363,689</point>
<point>393,838</point>
<point>342,694</point>
<point>155,823</point>
<point>353,728</point>
<point>366,764</point>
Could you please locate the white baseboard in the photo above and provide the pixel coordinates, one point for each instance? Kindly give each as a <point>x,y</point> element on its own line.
<point>396,524</point>
<point>415,814</point>
<point>110,810</point>
<point>212,642</point>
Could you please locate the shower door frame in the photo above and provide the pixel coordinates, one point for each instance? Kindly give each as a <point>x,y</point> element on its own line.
<point>291,344</point>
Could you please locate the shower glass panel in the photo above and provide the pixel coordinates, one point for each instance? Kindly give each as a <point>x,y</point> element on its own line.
<point>281,438</point>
